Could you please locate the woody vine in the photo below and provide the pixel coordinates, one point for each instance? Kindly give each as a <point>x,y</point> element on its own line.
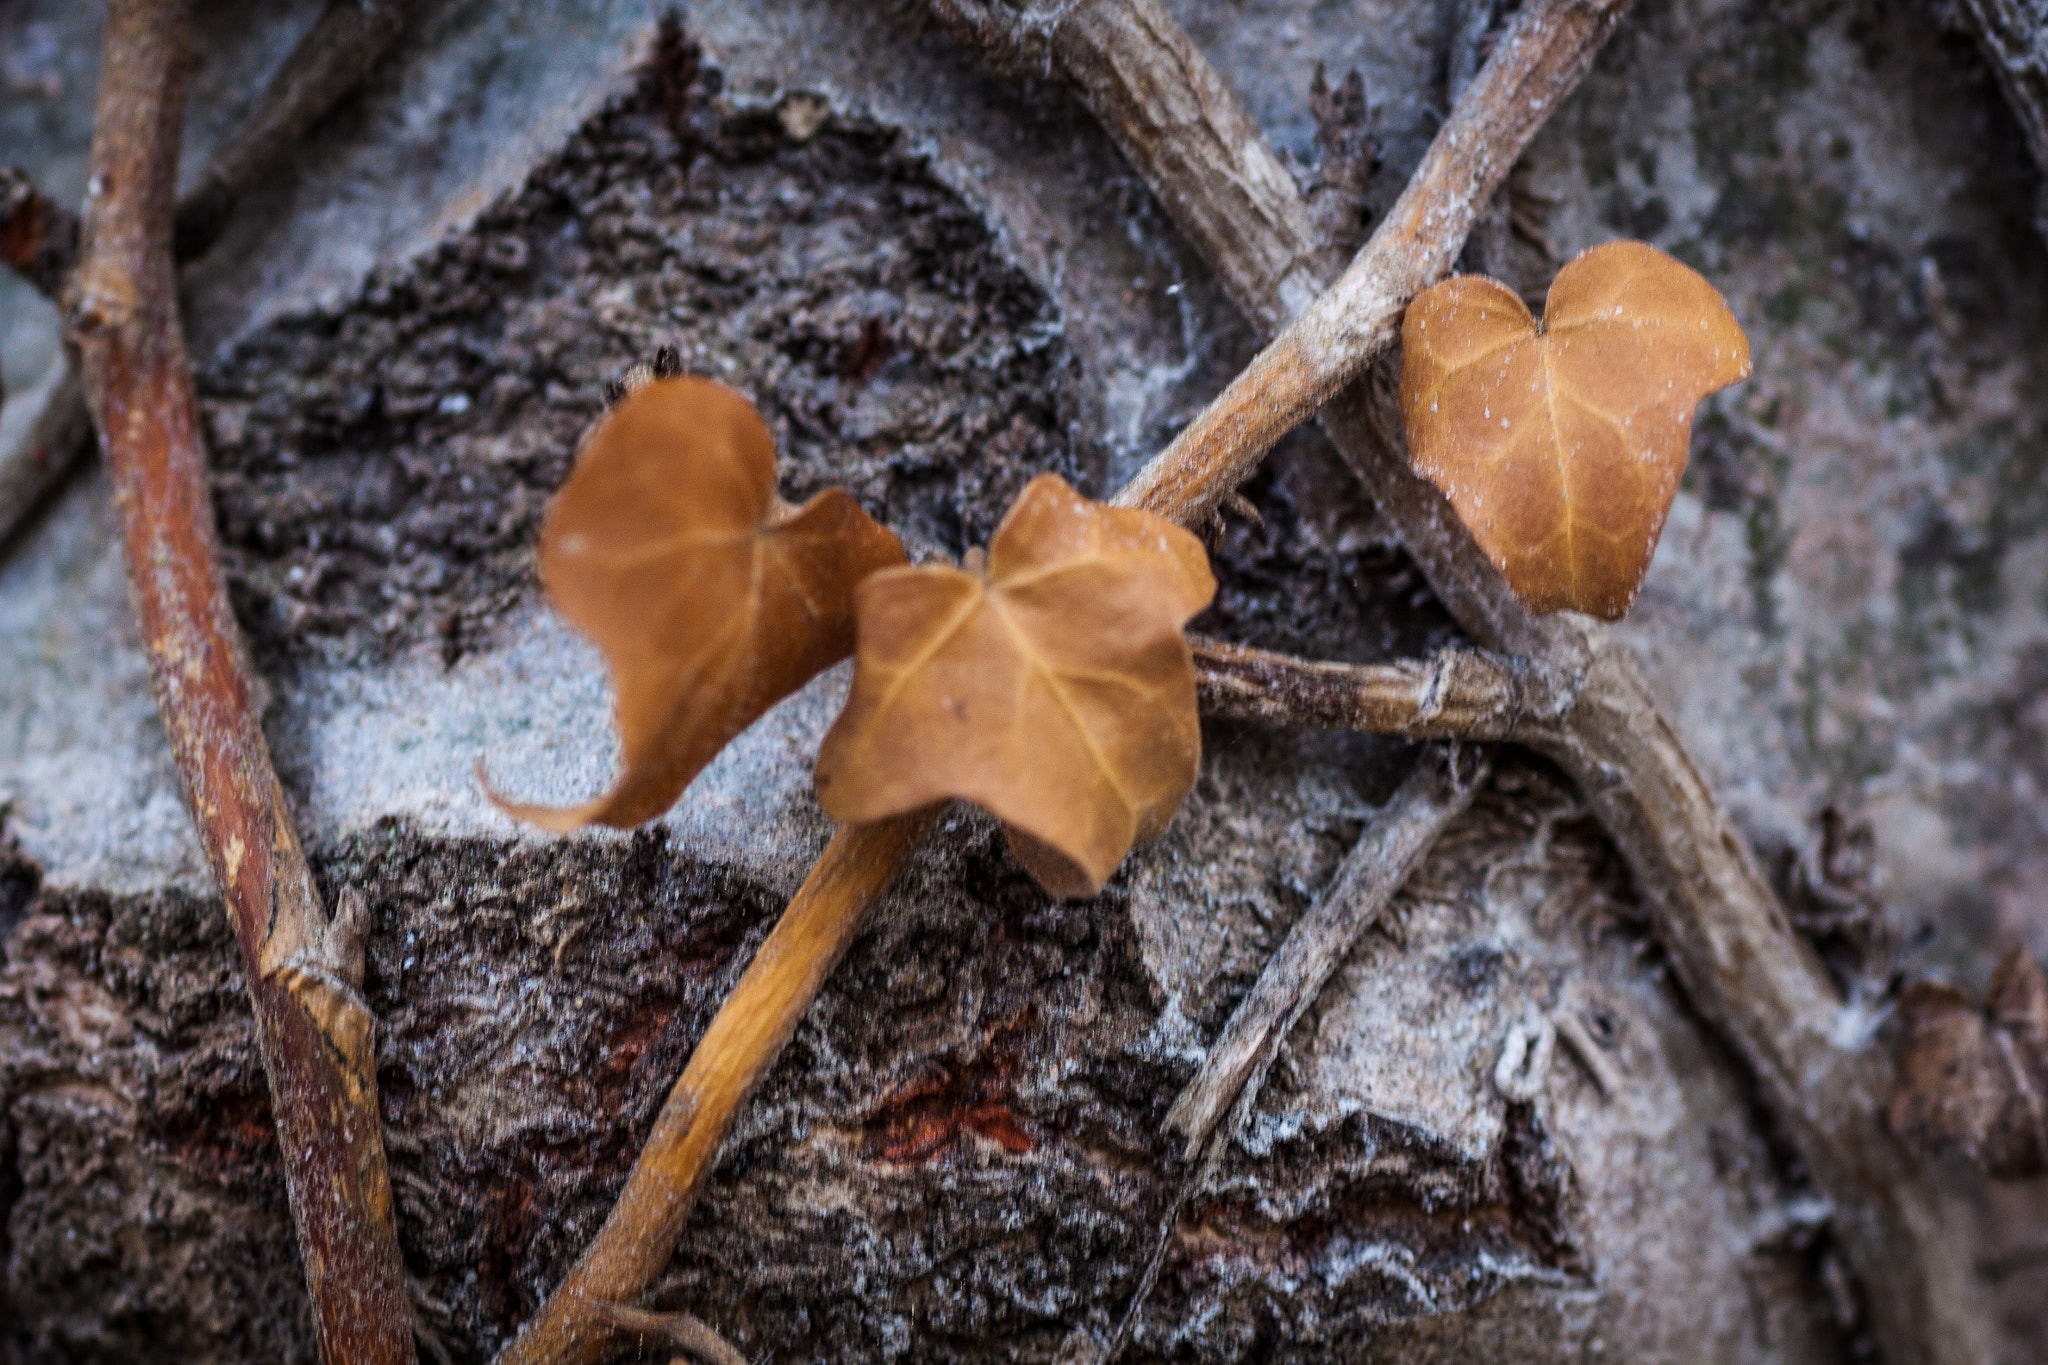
<point>1046,678</point>
<point>1527,465</point>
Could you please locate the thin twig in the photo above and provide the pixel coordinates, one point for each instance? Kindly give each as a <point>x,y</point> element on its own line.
<point>745,1037</point>
<point>1234,1072</point>
<point>1458,694</point>
<point>1745,970</point>
<point>39,238</point>
<point>684,1331</point>
<point>327,63</point>
<point>303,970</point>
<point>1378,865</point>
<point>51,442</point>
<point>1590,1054</point>
<point>2014,37</point>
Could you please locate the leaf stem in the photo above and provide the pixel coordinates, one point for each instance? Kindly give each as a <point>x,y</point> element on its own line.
<point>577,1324</point>
<point>303,970</point>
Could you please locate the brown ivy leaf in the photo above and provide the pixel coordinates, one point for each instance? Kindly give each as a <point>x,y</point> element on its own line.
<point>1561,445</point>
<point>1974,1078</point>
<point>1053,687</point>
<point>711,598</point>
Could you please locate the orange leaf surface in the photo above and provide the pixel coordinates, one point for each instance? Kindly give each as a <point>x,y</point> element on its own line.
<point>1054,689</point>
<point>711,598</point>
<point>1561,446</point>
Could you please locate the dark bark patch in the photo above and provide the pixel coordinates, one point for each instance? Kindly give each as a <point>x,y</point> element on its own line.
<point>380,471</point>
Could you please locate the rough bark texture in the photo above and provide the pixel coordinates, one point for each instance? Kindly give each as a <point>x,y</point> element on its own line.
<point>959,1157</point>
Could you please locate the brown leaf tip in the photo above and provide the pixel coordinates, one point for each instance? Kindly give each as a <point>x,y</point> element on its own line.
<point>1053,688</point>
<point>1561,445</point>
<point>710,598</point>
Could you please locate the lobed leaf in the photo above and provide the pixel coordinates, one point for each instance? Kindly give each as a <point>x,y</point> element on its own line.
<point>1561,446</point>
<point>1054,688</point>
<point>711,598</point>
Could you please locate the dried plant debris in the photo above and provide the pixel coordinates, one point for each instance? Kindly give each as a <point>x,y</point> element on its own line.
<point>1050,685</point>
<point>1561,443</point>
<point>1830,890</point>
<point>711,598</point>
<point>381,469</point>
<point>1973,1078</point>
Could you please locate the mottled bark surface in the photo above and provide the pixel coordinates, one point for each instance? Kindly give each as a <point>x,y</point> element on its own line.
<point>935,286</point>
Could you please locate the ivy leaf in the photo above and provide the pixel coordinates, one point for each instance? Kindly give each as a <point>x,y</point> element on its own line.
<point>711,598</point>
<point>1051,686</point>
<point>1561,446</point>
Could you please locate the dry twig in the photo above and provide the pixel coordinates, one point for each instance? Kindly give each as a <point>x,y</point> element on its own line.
<point>303,970</point>
<point>682,1331</point>
<point>1377,866</point>
<point>1459,694</point>
<point>1744,968</point>
<point>55,437</point>
<point>327,63</point>
<point>39,238</point>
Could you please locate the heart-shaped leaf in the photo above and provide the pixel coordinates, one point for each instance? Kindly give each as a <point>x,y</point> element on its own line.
<point>1053,688</point>
<point>711,598</point>
<point>1561,446</point>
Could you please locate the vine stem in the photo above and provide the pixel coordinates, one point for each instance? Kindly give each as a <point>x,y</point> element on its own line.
<point>1750,976</point>
<point>303,970</point>
<point>1517,90</point>
<point>578,1324</point>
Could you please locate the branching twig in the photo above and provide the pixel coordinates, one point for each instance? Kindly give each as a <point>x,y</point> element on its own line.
<point>682,1331</point>
<point>1327,346</point>
<point>303,970</point>
<point>39,238</point>
<point>634,1245</point>
<point>1378,866</point>
<point>1745,969</point>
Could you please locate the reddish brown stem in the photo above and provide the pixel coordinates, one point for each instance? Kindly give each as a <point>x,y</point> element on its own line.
<point>302,970</point>
<point>577,1324</point>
